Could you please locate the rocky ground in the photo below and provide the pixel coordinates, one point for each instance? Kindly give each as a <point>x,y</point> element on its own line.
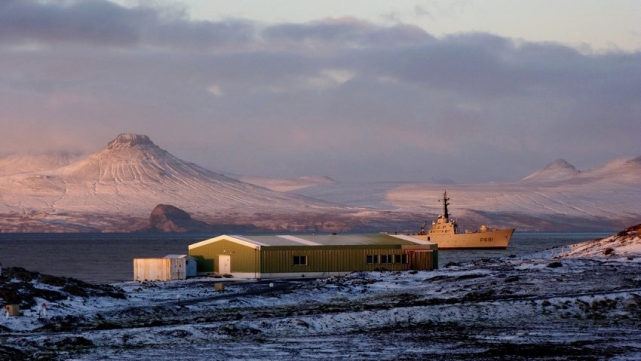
<point>581,302</point>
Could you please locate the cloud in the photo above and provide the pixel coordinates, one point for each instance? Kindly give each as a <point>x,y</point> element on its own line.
<point>94,22</point>
<point>341,97</point>
<point>102,23</point>
<point>346,32</point>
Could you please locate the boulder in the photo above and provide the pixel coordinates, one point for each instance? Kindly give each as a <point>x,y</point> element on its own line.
<point>167,218</point>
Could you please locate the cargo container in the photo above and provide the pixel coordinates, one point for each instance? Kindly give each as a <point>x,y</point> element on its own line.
<point>159,269</point>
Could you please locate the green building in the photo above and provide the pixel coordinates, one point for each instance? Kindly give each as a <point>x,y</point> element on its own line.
<point>311,255</point>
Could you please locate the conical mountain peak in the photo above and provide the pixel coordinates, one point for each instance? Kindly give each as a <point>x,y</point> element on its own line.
<point>560,164</point>
<point>558,170</point>
<point>132,158</point>
<point>129,140</point>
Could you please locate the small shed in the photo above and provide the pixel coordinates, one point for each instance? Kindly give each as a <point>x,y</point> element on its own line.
<point>311,255</point>
<point>191,264</point>
<point>160,269</point>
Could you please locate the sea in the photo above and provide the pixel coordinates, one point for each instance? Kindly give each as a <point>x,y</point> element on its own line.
<point>108,257</point>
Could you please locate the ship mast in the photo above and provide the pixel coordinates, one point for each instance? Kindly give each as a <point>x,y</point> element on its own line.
<point>446,203</point>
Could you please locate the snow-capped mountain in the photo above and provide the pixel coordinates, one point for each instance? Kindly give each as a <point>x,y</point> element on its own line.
<point>33,162</point>
<point>622,169</point>
<point>116,188</point>
<point>557,197</point>
<point>131,175</point>
<point>558,170</point>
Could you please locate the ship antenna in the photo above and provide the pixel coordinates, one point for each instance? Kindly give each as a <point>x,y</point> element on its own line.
<point>445,204</point>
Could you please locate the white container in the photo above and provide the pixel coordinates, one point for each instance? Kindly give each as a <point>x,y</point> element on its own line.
<point>160,269</point>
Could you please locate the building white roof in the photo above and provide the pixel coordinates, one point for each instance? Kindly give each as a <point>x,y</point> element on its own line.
<point>318,240</point>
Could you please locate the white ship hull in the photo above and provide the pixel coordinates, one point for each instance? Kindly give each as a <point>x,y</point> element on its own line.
<point>498,238</point>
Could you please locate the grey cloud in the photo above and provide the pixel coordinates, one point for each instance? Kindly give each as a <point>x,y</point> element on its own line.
<point>345,32</point>
<point>203,35</point>
<point>100,22</point>
<point>96,22</point>
<point>408,106</point>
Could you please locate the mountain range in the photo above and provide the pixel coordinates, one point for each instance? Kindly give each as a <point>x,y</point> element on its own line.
<point>116,188</point>
<point>557,197</point>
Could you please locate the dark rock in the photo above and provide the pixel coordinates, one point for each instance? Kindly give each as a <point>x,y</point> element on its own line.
<point>630,231</point>
<point>167,218</point>
<point>20,286</point>
<point>476,296</point>
<point>70,343</point>
<point>10,353</point>
<point>176,333</point>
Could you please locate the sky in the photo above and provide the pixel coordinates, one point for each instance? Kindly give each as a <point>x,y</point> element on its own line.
<point>473,91</point>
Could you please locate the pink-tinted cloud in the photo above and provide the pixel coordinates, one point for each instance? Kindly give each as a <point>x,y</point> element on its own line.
<point>342,97</point>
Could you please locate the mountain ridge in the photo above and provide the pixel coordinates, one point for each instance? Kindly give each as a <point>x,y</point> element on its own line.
<point>17,163</point>
<point>115,189</point>
<point>131,175</point>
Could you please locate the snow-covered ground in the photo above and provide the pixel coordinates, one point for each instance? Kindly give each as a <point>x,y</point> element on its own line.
<point>579,302</point>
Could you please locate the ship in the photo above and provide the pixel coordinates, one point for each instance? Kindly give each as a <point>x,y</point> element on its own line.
<point>445,233</point>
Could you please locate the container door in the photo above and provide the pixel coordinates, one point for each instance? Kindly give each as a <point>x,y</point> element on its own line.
<point>224,264</point>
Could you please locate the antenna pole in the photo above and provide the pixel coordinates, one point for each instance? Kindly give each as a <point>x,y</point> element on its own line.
<point>445,204</point>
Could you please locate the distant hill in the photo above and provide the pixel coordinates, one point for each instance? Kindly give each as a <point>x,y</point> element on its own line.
<point>623,169</point>
<point>558,170</point>
<point>33,162</point>
<point>557,197</point>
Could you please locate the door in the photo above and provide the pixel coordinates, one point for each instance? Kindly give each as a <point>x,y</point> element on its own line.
<point>224,264</point>
<point>422,260</point>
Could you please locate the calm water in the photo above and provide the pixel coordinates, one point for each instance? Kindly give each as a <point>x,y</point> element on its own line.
<point>106,258</point>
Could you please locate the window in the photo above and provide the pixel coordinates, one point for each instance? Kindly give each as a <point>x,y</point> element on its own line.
<point>387,258</point>
<point>371,259</point>
<point>404,258</point>
<point>397,258</point>
<point>300,260</point>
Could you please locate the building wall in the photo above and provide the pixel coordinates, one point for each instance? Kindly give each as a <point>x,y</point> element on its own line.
<point>422,260</point>
<point>320,259</point>
<point>243,258</point>
<point>330,259</point>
